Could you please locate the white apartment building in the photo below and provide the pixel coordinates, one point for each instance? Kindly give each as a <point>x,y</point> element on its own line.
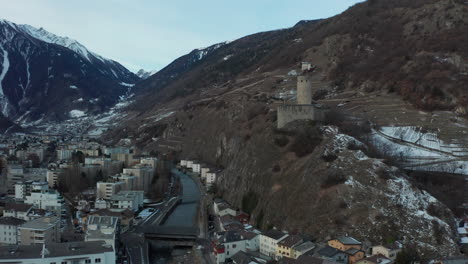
<point>105,190</point>
<point>52,177</point>
<point>9,230</point>
<point>269,242</point>
<point>44,230</point>
<point>43,198</point>
<point>144,176</point>
<point>132,200</point>
<point>64,154</point>
<point>23,189</point>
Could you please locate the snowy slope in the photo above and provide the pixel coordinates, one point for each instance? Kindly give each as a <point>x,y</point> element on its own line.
<point>422,150</point>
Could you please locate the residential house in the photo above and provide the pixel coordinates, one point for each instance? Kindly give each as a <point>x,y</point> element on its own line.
<point>217,204</point>
<point>302,249</point>
<point>269,242</point>
<point>333,254</point>
<point>17,210</point>
<point>375,259</point>
<point>354,255</point>
<point>226,210</point>
<point>293,246</point>
<point>227,244</point>
<point>344,243</point>
<point>390,251</point>
<point>242,257</point>
<point>252,240</point>
<point>285,247</point>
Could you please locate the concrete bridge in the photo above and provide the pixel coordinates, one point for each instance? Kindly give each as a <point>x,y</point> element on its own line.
<point>171,236</point>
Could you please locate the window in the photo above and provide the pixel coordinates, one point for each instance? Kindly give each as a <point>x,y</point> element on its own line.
<point>234,246</point>
<point>53,263</point>
<point>64,262</point>
<point>87,261</point>
<point>98,260</point>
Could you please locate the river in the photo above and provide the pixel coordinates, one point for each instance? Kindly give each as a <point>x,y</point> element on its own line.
<point>184,215</point>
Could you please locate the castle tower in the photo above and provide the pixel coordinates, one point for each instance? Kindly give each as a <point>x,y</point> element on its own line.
<point>304,90</point>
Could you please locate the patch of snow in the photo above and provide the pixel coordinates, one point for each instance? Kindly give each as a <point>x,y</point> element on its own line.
<point>5,67</point>
<point>73,87</point>
<point>115,74</point>
<point>127,84</point>
<point>360,155</point>
<point>227,57</point>
<point>292,73</point>
<point>77,113</point>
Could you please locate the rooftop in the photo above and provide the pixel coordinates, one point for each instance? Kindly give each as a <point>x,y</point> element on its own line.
<point>349,240</point>
<point>101,227</point>
<point>11,221</point>
<point>290,241</point>
<point>352,251</point>
<point>377,259</point>
<point>274,234</point>
<point>42,223</point>
<point>19,207</point>
<point>329,251</point>
<point>54,250</point>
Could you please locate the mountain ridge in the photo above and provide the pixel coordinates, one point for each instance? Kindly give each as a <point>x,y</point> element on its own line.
<point>44,76</point>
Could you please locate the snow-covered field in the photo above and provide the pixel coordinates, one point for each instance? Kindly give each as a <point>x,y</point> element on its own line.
<point>422,150</point>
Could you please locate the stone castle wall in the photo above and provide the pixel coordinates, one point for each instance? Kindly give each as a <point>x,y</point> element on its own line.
<point>289,113</point>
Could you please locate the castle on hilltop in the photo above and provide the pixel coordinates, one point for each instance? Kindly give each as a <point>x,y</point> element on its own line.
<point>304,109</point>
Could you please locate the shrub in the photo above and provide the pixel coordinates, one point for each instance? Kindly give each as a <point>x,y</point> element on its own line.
<point>333,178</point>
<point>255,111</point>
<point>320,94</point>
<point>305,141</point>
<point>249,202</point>
<point>276,168</point>
<point>383,174</point>
<point>281,141</point>
<point>435,211</point>
<point>329,157</point>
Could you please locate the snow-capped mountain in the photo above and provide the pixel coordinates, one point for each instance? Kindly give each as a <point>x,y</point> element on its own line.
<point>145,74</point>
<point>45,76</point>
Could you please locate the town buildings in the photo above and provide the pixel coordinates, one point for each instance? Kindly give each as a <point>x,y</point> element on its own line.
<point>55,253</point>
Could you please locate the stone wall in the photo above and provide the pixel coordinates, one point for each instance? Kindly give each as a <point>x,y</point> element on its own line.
<point>289,113</point>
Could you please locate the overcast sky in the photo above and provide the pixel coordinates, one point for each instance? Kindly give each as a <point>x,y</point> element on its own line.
<point>150,34</point>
